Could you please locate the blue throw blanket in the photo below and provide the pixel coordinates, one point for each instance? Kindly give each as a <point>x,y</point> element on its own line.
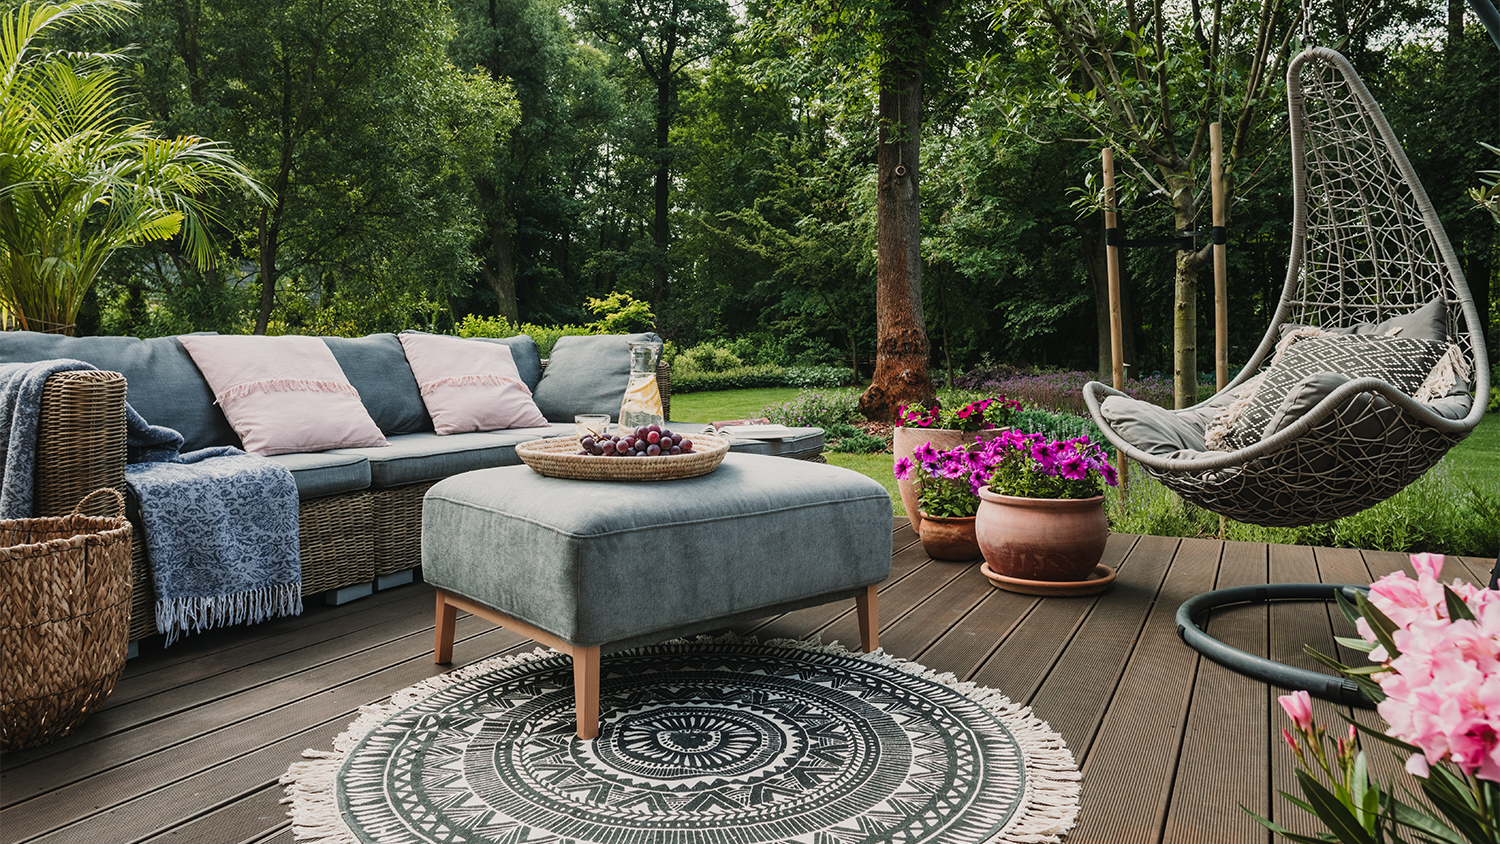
<point>221,531</point>
<point>220,524</point>
<point>20,405</point>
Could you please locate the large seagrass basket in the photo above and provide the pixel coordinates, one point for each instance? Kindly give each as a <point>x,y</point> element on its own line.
<point>64,619</point>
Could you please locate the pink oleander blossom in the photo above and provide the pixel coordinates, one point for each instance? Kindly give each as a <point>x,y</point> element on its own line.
<point>1298,706</point>
<point>1442,688</point>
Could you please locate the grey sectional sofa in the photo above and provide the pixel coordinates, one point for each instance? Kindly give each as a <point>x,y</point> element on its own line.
<point>360,511</point>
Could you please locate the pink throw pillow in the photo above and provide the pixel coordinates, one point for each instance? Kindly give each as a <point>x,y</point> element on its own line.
<point>469,386</point>
<point>282,395</point>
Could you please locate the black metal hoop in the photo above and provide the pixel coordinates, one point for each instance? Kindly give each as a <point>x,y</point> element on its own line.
<point>1336,689</point>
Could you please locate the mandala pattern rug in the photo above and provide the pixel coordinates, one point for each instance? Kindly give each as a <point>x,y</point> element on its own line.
<point>709,741</point>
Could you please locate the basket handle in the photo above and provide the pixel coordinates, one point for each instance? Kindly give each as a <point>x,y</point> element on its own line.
<point>119,501</point>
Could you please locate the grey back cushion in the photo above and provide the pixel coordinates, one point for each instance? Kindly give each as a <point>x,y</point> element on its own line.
<point>528,358</point>
<point>377,368</point>
<point>163,384</point>
<point>587,374</point>
<point>1429,322</point>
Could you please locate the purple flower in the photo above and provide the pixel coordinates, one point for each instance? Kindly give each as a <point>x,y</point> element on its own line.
<point>903,468</point>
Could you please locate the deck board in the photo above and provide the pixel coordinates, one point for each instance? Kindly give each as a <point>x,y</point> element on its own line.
<point>192,744</point>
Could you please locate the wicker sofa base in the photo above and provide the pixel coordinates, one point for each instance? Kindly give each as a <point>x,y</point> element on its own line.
<point>336,533</point>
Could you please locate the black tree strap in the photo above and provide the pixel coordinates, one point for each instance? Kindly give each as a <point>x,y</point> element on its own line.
<point>1183,242</point>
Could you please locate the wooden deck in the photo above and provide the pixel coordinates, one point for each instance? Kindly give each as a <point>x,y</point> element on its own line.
<point>190,746</point>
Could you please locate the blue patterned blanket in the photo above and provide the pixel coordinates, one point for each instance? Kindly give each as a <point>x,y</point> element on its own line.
<point>220,524</point>
<point>220,528</point>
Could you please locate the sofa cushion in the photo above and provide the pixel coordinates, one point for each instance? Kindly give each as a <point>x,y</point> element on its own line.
<point>283,394</point>
<point>162,384</point>
<point>326,473</point>
<point>418,458</point>
<point>376,366</point>
<point>524,353</point>
<point>587,374</point>
<point>469,386</point>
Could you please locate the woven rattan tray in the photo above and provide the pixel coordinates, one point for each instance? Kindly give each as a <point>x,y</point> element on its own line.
<point>558,457</point>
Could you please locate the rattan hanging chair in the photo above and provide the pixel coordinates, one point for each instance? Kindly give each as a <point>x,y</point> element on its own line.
<point>1366,246</point>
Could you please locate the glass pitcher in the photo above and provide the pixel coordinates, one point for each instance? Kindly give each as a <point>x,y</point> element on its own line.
<point>642,404</point>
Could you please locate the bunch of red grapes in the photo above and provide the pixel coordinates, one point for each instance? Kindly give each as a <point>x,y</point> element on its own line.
<point>645,441</point>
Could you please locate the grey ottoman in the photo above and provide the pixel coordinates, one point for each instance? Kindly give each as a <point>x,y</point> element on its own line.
<point>589,567</point>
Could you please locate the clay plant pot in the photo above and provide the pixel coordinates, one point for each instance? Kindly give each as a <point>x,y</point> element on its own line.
<point>950,538</point>
<point>905,440</point>
<point>1041,539</point>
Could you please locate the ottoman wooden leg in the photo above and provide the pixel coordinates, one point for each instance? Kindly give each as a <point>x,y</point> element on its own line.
<point>868,607</point>
<point>447,617</point>
<point>586,691</point>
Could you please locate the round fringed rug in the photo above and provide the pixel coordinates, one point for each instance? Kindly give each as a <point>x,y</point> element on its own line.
<point>710,741</point>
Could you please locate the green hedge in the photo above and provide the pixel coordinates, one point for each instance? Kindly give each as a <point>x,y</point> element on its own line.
<point>687,380</point>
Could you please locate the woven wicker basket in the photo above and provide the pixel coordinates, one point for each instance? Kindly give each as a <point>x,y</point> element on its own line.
<point>558,457</point>
<point>64,620</point>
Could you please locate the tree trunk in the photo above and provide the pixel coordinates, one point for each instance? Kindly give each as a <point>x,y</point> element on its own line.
<point>902,348</point>
<point>1185,296</point>
<point>660,234</point>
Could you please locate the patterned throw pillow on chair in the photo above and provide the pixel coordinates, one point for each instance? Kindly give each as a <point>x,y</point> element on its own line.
<point>1403,362</point>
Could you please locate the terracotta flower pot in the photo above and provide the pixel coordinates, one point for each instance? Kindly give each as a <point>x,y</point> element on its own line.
<point>905,440</point>
<point>1041,539</point>
<point>950,538</point>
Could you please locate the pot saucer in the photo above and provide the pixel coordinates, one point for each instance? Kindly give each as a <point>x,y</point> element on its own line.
<point>1097,581</point>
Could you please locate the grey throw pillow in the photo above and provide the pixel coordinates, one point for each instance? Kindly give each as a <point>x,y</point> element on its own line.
<point>1429,322</point>
<point>1402,362</point>
<point>377,368</point>
<point>587,374</point>
<point>1150,428</point>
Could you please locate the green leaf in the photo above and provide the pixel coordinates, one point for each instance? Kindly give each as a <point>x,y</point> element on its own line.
<point>1281,830</point>
<point>1380,624</point>
<point>1334,815</point>
<point>1457,609</point>
<point>1423,823</point>
<point>1354,644</point>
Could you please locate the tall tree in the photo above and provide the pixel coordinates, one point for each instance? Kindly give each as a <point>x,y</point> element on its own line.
<point>666,38</point>
<point>894,47</point>
<point>1148,79</point>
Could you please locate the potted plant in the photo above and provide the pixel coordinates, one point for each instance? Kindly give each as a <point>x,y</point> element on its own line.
<point>944,429</point>
<point>1041,514</point>
<point>947,486</point>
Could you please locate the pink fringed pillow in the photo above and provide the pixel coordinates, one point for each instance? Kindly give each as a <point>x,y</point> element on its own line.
<point>282,395</point>
<point>469,386</point>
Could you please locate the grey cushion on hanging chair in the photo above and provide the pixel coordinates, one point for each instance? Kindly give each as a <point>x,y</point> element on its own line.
<point>1429,322</point>
<point>1156,430</point>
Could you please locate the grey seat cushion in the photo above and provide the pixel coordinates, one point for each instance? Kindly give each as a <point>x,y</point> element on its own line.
<point>586,374</point>
<point>162,383</point>
<point>598,562</point>
<point>376,366</point>
<point>419,458</point>
<point>326,473</point>
<point>1152,429</point>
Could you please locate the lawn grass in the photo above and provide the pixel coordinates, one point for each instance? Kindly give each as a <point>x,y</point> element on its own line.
<point>1476,460</point>
<point>720,405</point>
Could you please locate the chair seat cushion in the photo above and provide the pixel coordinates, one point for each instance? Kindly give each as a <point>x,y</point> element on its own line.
<point>597,562</point>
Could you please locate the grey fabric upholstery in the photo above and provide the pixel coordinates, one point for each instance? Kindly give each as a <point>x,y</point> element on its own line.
<point>163,384</point>
<point>586,374</point>
<point>528,360</point>
<point>1151,428</point>
<point>417,458</point>
<point>1428,322</point>
<point>377,368</point>
<point>326,473</point>
<point>597,562</point>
